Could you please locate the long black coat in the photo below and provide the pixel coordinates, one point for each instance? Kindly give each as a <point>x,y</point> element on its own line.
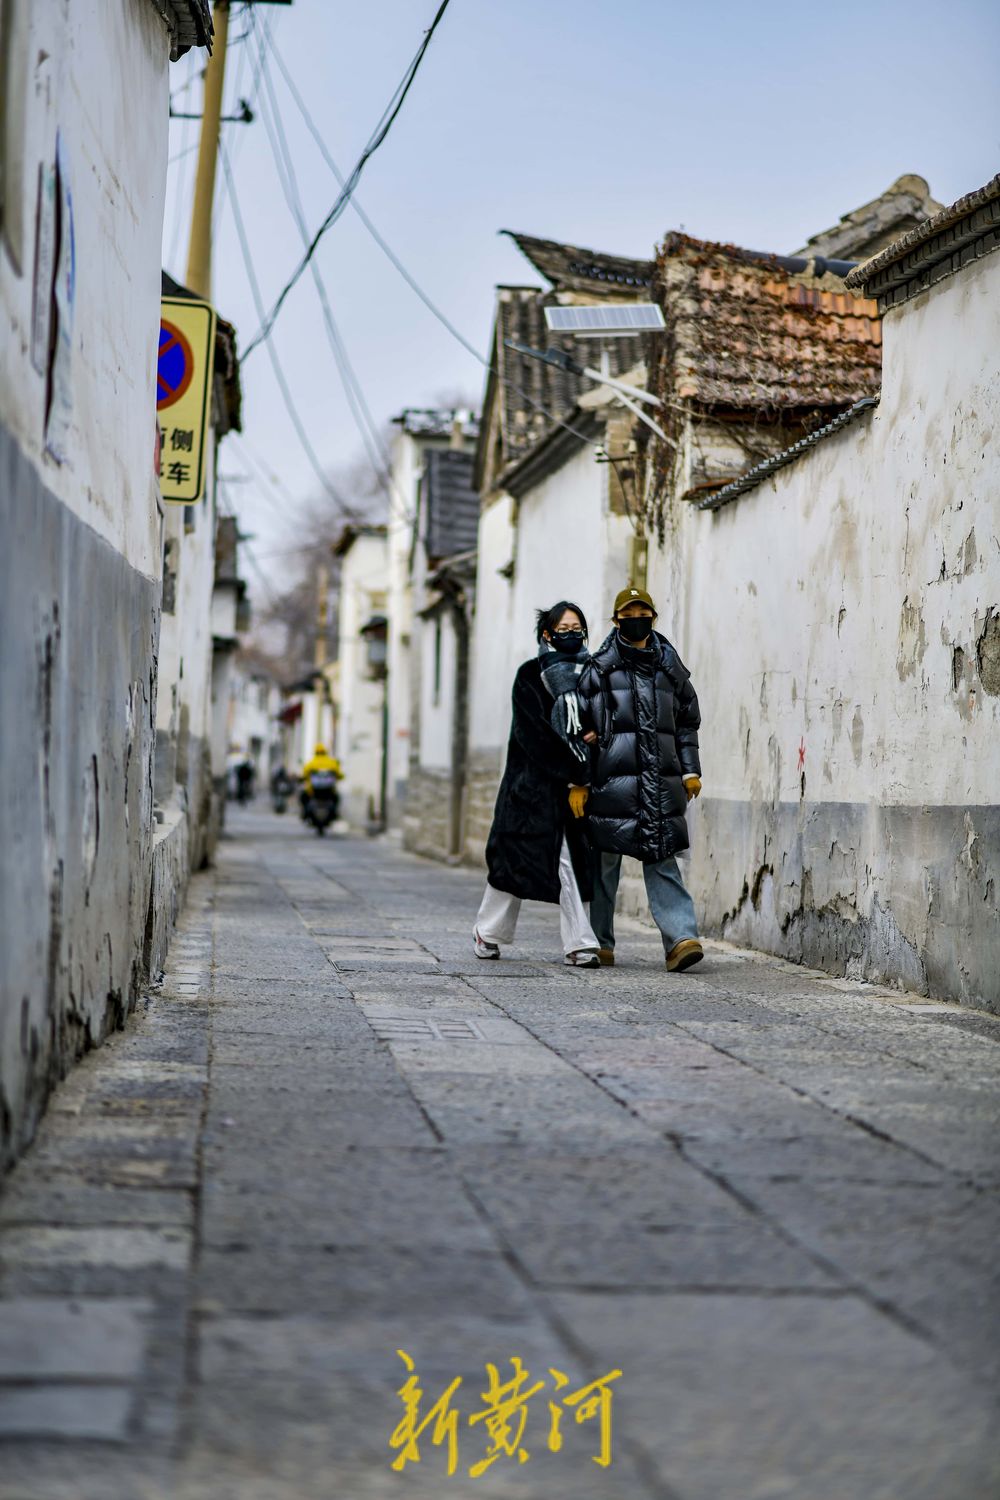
<point>532,814</point>
<point>646,715</point>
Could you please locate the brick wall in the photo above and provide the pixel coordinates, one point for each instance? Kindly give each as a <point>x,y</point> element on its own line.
<point>427,812</point>
<point>485,768</point>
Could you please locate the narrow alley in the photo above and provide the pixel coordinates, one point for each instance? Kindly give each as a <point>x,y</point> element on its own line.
<point>767,1197</point>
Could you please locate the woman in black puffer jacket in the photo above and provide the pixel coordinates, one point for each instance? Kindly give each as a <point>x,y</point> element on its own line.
<point>537,850</point>
<point>637,698</point>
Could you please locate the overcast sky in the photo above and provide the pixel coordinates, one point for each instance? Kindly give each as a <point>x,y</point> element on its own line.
<point>604,125</point>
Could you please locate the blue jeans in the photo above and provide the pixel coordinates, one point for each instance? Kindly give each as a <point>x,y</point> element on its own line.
<point>669,903</point>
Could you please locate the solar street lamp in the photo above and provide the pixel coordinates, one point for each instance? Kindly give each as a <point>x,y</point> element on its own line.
<point>627,320</point>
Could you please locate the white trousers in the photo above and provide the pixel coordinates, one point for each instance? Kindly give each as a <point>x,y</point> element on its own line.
<point>498,913</point>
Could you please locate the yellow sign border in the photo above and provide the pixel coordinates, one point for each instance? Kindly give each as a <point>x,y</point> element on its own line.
<point>188,304</point>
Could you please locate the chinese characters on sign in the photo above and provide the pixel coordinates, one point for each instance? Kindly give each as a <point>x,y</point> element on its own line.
<point>183,395</point>
<point>504,1415</point>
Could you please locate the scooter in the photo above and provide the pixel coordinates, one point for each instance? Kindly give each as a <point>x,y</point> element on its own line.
<point>323,802</point>
<point>281,790</point>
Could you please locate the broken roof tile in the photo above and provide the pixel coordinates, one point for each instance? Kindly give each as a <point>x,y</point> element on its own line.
<point>746,333</point>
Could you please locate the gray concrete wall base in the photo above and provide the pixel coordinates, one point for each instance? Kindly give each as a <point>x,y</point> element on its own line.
<point>79,628</point>
<point>171,869</point>
<point>902,896</point>
<point>484,770</point>
<point>426,820</point>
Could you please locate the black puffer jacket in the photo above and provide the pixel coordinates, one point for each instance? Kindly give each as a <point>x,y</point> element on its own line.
<point>645,713</point>
<point>532,813</point>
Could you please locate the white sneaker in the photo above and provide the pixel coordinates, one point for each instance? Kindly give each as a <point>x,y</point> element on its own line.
<point>583,958</point>
<point>484,949</point>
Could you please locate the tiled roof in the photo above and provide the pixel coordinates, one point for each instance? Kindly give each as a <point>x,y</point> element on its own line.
<point>745,333</point>
<point>967,230</point>
<point>571,268</point>
<point>866,230</point>
<point>534,394</point>
<point>451,504</point>
<point>189,23</point>
<point>436,421</point>
<point>762,471</point>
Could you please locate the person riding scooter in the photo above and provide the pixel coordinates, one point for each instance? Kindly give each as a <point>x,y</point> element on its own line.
<point>323,764</point>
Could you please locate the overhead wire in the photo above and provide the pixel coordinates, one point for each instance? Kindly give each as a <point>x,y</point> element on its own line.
<point>279,373</point>
<point>375,140</point>
<point>489,365</point>
<point>386,248</point>
<point>371,438</point>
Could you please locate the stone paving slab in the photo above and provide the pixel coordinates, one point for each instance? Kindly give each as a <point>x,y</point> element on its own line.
<point>767,1196</point>
<point>762,1396</point>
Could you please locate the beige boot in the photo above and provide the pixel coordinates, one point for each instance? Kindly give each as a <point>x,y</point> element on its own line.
<point>683,955</point>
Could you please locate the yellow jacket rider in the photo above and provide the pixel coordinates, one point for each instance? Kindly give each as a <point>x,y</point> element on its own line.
<point>321,761</point>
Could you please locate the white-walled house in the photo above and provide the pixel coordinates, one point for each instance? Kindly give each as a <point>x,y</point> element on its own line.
<point>203,610</point>
<point>825,557</point>
<point>81,523</point>
<point>424,530</point>
<point>253,718</point>
<point>442,582</point>
<point>362,712</point>
<point>840,611</point>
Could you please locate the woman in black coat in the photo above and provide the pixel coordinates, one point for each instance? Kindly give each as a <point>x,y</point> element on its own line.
<point>537,850</point>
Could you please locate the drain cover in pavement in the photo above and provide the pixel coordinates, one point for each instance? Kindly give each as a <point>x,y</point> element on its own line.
<point>418,1029</point>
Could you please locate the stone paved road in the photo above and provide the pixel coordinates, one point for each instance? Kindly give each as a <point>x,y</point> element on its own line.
<point>767,1197</point>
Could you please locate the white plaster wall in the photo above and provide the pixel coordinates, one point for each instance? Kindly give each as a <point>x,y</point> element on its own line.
<point>826,604</point>
<point>363,592</point>
<point>98,75</point>
<point>406,462</point>
<point>835,610</point>
<point>489,667</point>
<point>254,707</point>
<point>437,717</point>
<point>185,656</point>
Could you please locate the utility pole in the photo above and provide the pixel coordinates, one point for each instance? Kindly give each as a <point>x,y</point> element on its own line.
<point>199,266</point>
<point>322,607</point>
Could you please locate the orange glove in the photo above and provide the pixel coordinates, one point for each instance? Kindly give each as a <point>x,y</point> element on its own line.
<point>578,800</point>
<point>692,785</point>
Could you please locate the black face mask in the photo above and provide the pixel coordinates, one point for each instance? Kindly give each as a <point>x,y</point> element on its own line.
<point>635,627</point>
<point>569,641</point>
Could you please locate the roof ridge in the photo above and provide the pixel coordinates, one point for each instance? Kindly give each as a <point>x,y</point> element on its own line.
<point>928,230</point>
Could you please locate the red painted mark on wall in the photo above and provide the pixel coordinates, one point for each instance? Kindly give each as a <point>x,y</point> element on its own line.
<point>802,754</point>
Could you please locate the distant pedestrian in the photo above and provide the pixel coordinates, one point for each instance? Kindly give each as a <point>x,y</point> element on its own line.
<point>537,850</point>
<point>637,698</point>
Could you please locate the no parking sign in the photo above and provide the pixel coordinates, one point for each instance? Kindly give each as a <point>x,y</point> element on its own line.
<point>183,395</point>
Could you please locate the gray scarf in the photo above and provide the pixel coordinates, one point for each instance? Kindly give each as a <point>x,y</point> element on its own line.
<point>560,674</point>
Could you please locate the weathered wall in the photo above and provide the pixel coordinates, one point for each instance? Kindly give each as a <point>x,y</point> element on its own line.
<point>438,662</point>
<point>184,769</point>
<point>359,719</point>
<point>406,464</point>
<point>77,695</point>
<point>842,624</point>
<point>79,553</point>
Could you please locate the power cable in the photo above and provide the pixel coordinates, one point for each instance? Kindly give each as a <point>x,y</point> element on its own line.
<point>385,124</point>
<point>411,280</point>
<point>378,457</point>
<point>386,249</point>
<point>279,373</point>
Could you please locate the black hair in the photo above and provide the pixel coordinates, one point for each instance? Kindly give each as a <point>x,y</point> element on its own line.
<point>548,619</point>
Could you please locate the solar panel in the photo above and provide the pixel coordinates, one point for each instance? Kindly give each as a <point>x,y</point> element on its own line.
<point>606,319</point>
